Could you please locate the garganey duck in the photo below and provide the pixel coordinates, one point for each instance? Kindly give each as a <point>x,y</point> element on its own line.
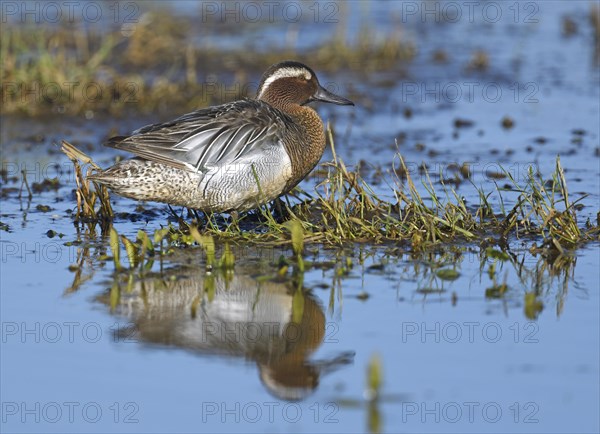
<point>231,157</point>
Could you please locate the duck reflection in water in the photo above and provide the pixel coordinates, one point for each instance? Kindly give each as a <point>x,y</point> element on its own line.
<point>268,322</point>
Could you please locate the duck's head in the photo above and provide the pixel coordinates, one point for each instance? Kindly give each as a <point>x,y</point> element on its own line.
<point>293,82</point>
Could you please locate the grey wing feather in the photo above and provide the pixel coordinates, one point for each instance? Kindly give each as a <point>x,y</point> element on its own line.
<point>217,135</point>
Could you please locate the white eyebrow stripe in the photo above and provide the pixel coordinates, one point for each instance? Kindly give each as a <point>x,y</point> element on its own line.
<point>284,73</point>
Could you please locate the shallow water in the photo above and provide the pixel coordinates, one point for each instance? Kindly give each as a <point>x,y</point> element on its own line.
<point>86,349</point>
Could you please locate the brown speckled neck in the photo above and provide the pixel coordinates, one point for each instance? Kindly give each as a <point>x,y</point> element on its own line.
<point>304,142</point>
<point>305,149</point>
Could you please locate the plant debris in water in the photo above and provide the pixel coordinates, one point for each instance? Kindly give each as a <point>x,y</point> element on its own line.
<point>345,208</point>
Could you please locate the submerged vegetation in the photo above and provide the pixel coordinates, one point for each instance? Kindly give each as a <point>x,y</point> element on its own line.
<point>167,256</point>
<point>343,211</point>
<point>344,208</point>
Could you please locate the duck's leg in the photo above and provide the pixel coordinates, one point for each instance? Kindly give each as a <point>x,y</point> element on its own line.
<point>195,212</point>
<point>281,213</point>
<point>179,217</point>
<point>172,211</point>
